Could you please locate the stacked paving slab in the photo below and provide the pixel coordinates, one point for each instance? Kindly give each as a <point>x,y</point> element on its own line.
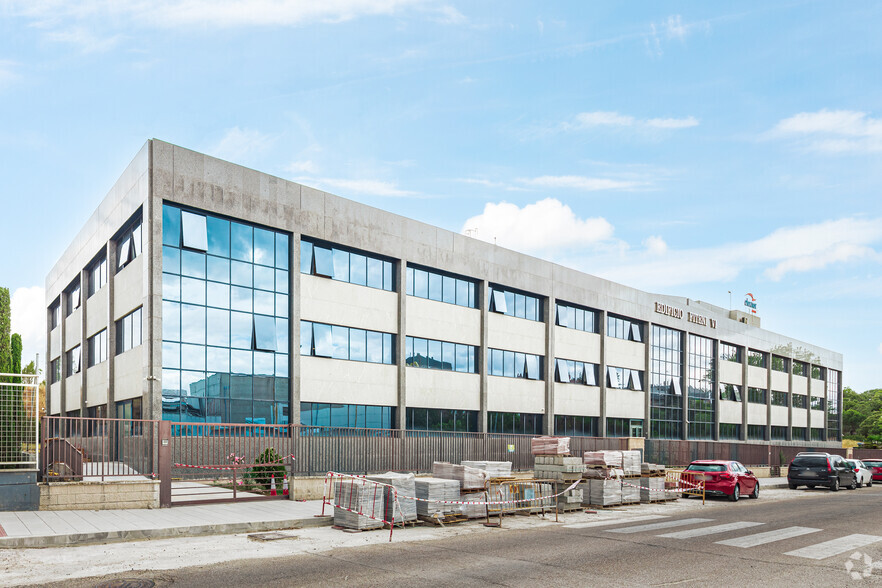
<point>405,509</point>
<point>361,497</point>
<point>436,489</point>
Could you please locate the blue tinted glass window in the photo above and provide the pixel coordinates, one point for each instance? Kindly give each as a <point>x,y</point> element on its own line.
<point>192,324</point>
<point>171,287</point>
<point>193,264</point>
<point>193,231</point>
<point>374,351</point>
<point>171,354</point>
<point>171,321</point>
<point>435,354</point>
<point>388,349</point>
<point>241,299</point>
<point>241,361</point>
<point>218,236</point>
<point>282,251</point>
<point>282,305</point>
<point>448,290</point>
<point>305,257</point>
<point>322,340</point>
<point>218,269</point>
<point>264,333</point>
<point>340,339</point>
<point>281,281</point>
<point>241,273</point>
<point>264,278</point>
<point>409,278</point>
<point>357,269</point>
<point>193,291</point>
<point>264,302</point>
<point>357,345</point>
<point>448,352</point>
<point>282,370</point>
<point>388,282</point>
<point>171,226</point>
<point>420,283</point>
<point>341,265</point>
<point>264,247</point>
<point>282,335</point>
<point>241,242</point>
<point>264,365</point>
<point>305,338</point>
<point>193,357</point>
<point>435,286</point>
<point>218,295</point>
<point>374,273</point>
<point>421,352</point>
<point>218,327</point>
<point>171,260</point>
<point>324,262</point>
<point>240,330</point>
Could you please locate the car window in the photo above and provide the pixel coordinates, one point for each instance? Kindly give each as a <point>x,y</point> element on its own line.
<point>706,467</point>
<point>873,464</point>
<point>810,462</point>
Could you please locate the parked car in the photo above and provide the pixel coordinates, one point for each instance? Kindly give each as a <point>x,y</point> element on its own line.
<point>722,478</point>
<point>821,469</point>
<point>875,467</point>
<point>863,473</point>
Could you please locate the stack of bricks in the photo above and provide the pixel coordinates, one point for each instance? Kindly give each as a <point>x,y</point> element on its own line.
<point>558,467</point>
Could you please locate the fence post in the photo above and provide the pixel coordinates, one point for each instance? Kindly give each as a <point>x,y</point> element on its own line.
<point>163,450</point>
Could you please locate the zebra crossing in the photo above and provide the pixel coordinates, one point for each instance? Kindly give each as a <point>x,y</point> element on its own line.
<point>754,536</point>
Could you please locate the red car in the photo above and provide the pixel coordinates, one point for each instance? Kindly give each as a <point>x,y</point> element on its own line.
<point>875,466</point>
<point>722,478</point>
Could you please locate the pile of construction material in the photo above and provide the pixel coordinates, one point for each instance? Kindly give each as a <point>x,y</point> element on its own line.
<point>359,496</point>
<point>613,478</point>
<point>602,492</point>
<point>571,499</point>
<point>469,478</point>
<point>399,505</point>
<point>436,489</point>
<point>550,445</point>
<point>558,467</point>
<point>494,469</point>
<point>473,511</point>
<point>652,483</point>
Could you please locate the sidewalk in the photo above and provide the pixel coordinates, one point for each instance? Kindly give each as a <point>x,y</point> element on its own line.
<point>73,527</point>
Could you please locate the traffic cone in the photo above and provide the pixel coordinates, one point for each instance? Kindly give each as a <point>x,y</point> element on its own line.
<point>285,486</point>
<point>273,486</point>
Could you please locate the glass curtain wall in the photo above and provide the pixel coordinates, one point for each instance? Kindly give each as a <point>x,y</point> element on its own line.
<point>224,320</point>
<point>833,432</point>
<point>666,396</point>
<point>702,365</point>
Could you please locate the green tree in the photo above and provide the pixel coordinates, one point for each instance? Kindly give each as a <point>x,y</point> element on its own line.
<point>5,322</point>
<point>15,348</point>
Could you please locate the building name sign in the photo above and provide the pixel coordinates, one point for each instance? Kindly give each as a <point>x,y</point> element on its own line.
<point>677,313</point>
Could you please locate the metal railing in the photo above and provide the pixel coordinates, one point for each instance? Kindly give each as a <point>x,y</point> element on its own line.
<point>19,410</point>
<point>77,449</point>
<point>673,452</point>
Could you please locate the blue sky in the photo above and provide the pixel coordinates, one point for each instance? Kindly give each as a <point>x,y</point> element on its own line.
<point>685,148</point>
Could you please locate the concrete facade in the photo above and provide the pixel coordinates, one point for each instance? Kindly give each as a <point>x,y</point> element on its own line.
<point>164,173</point>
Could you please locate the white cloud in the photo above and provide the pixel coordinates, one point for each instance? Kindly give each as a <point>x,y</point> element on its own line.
<point>228,13</point>
<point>655,245</point>
<point>543,227</point>
<point>237,144</point>
<point>588,120</point>
<point>86,41</point>
<point>671,28</point>
<point>831,131</point>
<point>880,348</point>
<point>29,321</point>
<point>581,183</point>
<point>358,186</point>
<point>782,252</point>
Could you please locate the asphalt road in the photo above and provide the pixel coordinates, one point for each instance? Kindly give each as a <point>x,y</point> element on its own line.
<point>619,554</point>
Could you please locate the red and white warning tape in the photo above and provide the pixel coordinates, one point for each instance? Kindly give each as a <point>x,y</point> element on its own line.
<point>230,468</point>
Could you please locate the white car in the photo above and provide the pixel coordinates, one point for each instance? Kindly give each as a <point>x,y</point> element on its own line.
<point>862,474</point>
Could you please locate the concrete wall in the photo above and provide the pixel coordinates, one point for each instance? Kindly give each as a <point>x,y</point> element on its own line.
<point>516,334</point>
<point>576,399</point>
<point>577,345</point>
<point>730,373</point>
<point>730,411</point>
<point>800,385</point>
<point>625,354</point>
<point>428,388</point>
<point>337,303</point>
<point>757,377</point>
<point>756,414</point>
<point>443,322</point>
<point>515,395</point>
<point>99,495</point>
<point>779,416</point>
<point>625,404</point>
<point>348,382</point>
<point>780,381</point>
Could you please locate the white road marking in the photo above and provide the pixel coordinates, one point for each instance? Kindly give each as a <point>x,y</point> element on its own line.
<point>834,546</point>
<point>615,521</point>
<point>768,537</point>
<point>656,526</point>
<point>710,530</point>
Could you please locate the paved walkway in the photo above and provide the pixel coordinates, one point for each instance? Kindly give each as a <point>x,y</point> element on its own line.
<point>70,527</point>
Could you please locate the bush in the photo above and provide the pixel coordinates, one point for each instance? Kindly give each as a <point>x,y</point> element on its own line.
<point>262,475</point>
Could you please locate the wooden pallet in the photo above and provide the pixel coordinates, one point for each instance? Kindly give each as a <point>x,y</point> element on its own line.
<point>444,520</point>
<point>602,507</point>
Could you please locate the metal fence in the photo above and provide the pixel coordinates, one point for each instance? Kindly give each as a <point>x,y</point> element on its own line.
<point>76,449</point>
<point>673,452</point>
<point>19,410</point>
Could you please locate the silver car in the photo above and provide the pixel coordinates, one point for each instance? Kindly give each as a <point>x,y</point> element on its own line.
<point>862,473</point>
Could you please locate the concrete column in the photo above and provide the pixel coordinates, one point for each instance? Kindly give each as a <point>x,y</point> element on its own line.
<point>401,352</point>
<point>601,426</point>
<point>482,292</point>
<point>295,383</point>
<point>548,315</point>
<point>716,385</point>
<point>151,311</point>
<point>826,414</point>
<point>110,255</point>
<point>769,397</point>
<point>647,378</point>
<point>62,354</point>
<point>744,386</point>
<point>48,376</point>
<point>789,364</point>
<point>808,392</point>
<point>684,382</point>
<point>84,335</point>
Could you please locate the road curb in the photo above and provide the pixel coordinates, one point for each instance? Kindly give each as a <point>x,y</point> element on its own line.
<point>164,533</point>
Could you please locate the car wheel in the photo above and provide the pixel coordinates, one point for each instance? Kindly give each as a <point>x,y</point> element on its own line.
<point>870,483</point>
<point>860,484</point>
<point>853,484</point>
<point>810,486</point>
<point>755,493</point>
<point>735,494</point>
<point>792,486</point>
<point>834,485</point>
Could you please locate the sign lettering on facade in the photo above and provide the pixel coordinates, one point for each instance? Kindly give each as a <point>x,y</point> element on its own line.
<point>677,313</point>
